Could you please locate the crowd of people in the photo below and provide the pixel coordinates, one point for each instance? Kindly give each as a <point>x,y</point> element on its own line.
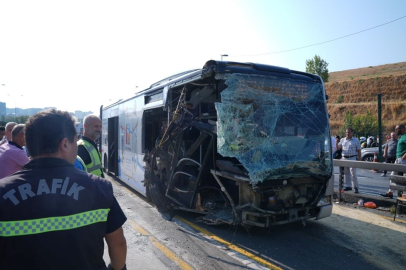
<point>349,148</point>
<point>53,197</point>
<point>395,152</point>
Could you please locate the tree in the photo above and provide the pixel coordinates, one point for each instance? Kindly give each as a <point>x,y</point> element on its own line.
<point>318,66</point>
<point>19,119</point>
<point>363,125</point>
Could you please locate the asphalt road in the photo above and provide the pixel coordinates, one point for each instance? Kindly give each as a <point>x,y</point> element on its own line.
<point>295,246</point>
<point>153,242</point>
<point>183,243</point>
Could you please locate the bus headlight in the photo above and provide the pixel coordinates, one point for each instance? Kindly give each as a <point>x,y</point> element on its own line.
<point>324,201</point>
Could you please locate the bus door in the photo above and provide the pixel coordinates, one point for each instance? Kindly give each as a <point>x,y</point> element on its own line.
<point>113,137</point>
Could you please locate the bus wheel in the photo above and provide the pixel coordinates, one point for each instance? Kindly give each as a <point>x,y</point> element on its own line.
<point>105,167</point>
<point>148,193</point>
<point>158,197</point>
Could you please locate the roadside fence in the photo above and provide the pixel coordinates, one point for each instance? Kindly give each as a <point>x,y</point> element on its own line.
<point>397,182</point>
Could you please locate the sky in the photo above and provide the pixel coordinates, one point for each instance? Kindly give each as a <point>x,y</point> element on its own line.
<point>79,55</point>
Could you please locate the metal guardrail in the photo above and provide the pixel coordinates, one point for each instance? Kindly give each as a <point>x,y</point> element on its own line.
<point>365,165</point>
<point>370,165</point>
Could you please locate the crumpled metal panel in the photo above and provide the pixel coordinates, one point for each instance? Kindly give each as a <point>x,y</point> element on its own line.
<point>276,127</point>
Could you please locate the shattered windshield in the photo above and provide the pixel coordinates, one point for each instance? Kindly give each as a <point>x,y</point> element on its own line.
<point>276,127</point>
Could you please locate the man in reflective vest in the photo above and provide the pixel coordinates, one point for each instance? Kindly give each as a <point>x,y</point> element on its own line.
<point>52,215</point>
<point>87,148</point>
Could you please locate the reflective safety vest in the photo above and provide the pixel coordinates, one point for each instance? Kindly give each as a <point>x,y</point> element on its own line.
<point>94,166</point>
<point>50,224</point>
<point>80,164</point>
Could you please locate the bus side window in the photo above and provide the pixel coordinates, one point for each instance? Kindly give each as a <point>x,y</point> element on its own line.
<point>153,129</point>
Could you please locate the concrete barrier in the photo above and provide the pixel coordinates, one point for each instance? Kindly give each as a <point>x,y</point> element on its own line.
<point>397,182</point>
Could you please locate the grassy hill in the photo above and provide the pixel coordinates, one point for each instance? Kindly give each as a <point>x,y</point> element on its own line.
<point>357,90</point>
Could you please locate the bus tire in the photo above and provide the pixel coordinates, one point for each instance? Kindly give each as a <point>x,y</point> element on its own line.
<point>157,197</point>
<point>148,193</point>
<point>105,165</point>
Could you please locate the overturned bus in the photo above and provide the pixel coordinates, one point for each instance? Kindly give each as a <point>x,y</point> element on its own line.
<point>240,143</point>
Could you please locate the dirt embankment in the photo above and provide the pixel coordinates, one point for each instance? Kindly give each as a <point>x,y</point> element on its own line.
<point>357,91</point>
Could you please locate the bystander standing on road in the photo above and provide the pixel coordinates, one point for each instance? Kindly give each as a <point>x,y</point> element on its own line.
<point>389,152</point>
<point>333,146</point>
<point>401,147</point>
<point>400,155</point>
<point>2,131</point>
<point>87,148</point>
<point>336,152</point>
<point>7,133</point>
<point>12,155</point>
<point>53,216</point>
<point>351,150</point>
<point>371,142</point>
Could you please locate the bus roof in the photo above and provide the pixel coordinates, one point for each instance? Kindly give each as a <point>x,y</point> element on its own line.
<point>223,67</point>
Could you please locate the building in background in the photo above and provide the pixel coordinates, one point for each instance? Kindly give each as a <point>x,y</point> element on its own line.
<point>31,111</point>
<point>79,128</point>
<point>4,111</point>
<point>80,115</point>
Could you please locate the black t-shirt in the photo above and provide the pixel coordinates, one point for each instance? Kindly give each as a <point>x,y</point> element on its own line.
<point>84,154</point>
<point>62,217</point>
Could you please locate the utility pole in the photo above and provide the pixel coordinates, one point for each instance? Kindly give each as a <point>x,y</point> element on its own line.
<point>380,128</point>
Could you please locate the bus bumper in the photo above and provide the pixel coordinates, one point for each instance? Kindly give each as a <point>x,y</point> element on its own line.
<point>325,211</point>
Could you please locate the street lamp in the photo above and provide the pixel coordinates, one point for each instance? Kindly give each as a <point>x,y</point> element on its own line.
<point>5,113</point>
<point>15,106</point>
<point>225,55</point>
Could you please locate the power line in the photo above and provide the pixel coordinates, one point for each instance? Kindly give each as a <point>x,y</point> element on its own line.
<point>321,42</point>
